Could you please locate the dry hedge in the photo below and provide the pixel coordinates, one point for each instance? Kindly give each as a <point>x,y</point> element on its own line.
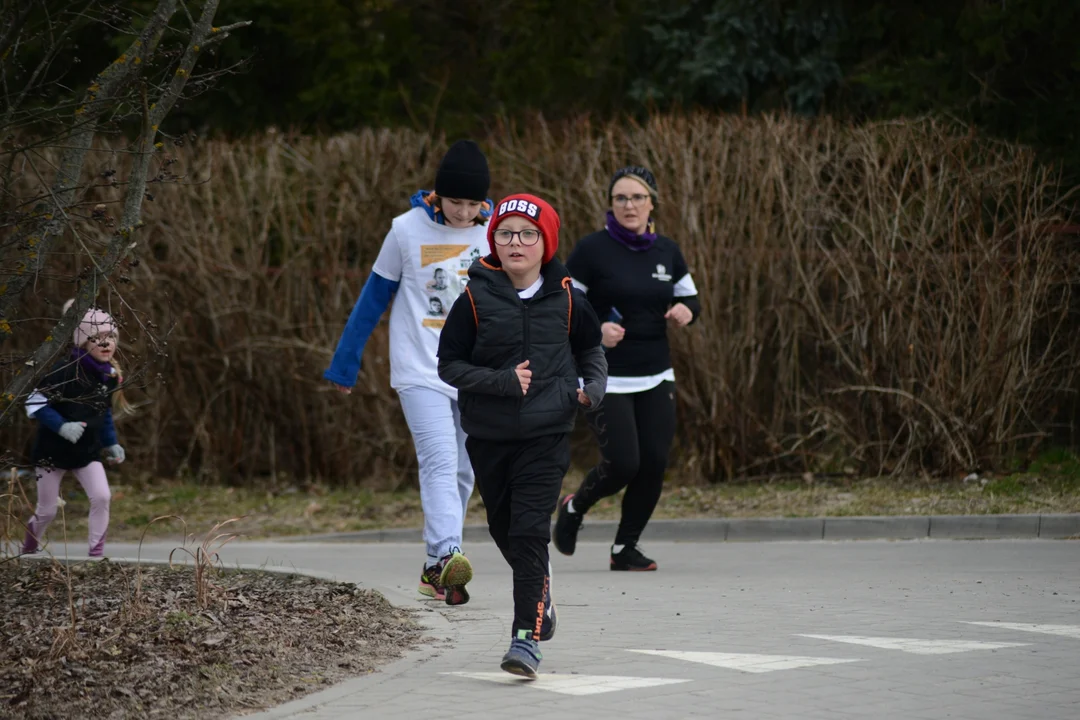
<point>887,298</point>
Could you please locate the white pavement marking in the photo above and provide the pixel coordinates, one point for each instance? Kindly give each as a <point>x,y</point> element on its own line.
<point>572,684</point>
<point>747,662</point>
<point>1072,631</point>
<point>919,647</point>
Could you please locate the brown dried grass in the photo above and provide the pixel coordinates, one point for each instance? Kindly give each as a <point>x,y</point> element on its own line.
<point>888,298</point>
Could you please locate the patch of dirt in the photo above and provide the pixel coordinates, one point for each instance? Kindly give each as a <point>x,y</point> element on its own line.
<point>143,645</point>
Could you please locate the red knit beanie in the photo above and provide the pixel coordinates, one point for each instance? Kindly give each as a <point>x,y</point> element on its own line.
<point>533,209</point>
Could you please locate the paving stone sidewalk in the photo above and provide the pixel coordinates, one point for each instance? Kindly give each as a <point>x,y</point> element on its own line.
<point>875,629</point>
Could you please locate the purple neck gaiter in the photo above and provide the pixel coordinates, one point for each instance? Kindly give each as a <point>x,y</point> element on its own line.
<point>102,370</point>
<point>637,243</point>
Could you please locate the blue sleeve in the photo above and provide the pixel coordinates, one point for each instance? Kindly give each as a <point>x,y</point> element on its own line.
<point>108,430</point>
<point>373,301</point>
<point>50,418</point>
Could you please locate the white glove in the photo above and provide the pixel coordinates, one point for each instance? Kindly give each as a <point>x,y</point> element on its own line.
<point>72,431</point>
<point>115,454</point>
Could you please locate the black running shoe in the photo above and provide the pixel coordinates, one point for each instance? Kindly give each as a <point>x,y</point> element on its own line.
<point>631,559</point>
<point>567,525</point>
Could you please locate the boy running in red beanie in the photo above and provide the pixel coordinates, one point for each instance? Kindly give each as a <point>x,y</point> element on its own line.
<point>514,345</point>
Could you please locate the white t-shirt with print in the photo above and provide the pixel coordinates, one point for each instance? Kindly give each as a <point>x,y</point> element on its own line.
<point>431,261</point>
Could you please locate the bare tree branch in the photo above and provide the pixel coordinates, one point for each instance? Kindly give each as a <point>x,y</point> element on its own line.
<point>122,241</point>
<point>32,84</point>
<point>72,18</point>
<point>49,218</point>
<point>11,32</point>
<point>222,33</point>
<point>203,31</point>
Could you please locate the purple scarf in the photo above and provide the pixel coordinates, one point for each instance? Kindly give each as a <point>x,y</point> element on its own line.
<point>102,370</point>
<point>629,238</point>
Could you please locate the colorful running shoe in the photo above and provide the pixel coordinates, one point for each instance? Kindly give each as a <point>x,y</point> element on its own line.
<point>429,583</point>
<point>456,573</point>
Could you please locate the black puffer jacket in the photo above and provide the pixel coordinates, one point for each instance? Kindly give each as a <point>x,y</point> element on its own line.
<point>72,391</point>
<point>491,330</point>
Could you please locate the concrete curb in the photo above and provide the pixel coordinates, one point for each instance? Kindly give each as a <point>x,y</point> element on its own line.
<point>901,527</point>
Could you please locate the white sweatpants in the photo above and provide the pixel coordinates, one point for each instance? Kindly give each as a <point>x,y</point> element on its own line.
<point>446,477</point>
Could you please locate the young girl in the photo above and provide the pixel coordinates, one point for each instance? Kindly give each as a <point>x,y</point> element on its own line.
<point>514,344</point>
<point>424,259</point>
<point>75,427</point>
<point>638,280</point>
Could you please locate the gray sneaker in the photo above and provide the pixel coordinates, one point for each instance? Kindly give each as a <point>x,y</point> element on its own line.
<point>523,658</point>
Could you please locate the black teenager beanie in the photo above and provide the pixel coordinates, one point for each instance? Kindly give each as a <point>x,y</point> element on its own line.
<point>463,173</point>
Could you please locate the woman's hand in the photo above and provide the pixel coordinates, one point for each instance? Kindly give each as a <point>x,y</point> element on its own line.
<point>613,334</point>
<point>342,389</point>
<point>679,315</point>
<point>583,398</point>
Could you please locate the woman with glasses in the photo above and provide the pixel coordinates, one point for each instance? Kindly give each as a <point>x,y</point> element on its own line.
<point>638,281</point>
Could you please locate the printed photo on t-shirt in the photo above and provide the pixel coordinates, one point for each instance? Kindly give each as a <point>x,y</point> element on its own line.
<point>444,274</point>
<point>439,280</point>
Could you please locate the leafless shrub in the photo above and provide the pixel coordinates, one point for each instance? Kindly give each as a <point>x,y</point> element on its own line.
<point>887,298</point>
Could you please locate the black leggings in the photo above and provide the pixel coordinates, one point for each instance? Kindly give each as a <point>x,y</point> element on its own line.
<point>634,432</point>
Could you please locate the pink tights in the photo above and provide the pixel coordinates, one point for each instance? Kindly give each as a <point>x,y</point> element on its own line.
<point>92,478</point>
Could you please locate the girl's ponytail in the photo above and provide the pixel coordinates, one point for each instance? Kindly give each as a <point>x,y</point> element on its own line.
<point>120,405</point>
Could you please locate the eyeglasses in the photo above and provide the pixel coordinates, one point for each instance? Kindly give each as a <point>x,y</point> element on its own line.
<point>623,200</point>
<point>528,237</point>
